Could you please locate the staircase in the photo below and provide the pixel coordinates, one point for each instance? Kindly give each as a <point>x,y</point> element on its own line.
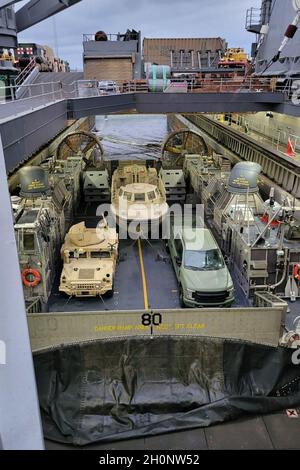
<point>26,77</point>
<point>47,83</point>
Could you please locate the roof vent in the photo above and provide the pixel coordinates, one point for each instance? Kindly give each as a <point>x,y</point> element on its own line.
<point>34,182</point>
<point>244,178</point>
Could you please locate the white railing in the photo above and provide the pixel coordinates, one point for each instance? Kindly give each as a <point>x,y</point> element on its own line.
<point>25,72</point>
<point>253,17</point>
<point>48,92</point>
<point>92,37</point>
<point>57,90</point>
<point>207,85</point>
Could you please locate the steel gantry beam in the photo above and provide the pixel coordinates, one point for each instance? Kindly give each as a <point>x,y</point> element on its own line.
<point>162,103</point>
<point>27,125</point>
<point>36,11</point>
<point>20,424</point>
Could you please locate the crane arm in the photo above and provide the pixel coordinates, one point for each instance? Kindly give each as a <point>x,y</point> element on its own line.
<point>8,3</point>
<point>36,11</point>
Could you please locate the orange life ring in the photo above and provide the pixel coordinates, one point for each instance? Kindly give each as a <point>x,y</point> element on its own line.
<point>296,272</point>
<point>36,277</point>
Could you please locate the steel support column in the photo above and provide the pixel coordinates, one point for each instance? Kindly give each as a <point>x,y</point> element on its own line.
<point>20,425</point>
<point>174,103</point>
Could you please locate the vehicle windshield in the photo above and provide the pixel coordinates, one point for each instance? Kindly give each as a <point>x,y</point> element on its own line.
<point>100,254</point>
<point>209,260</point>
<point>139,197</point>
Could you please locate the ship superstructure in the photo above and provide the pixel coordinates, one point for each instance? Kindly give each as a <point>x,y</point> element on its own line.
<point>122,326</point>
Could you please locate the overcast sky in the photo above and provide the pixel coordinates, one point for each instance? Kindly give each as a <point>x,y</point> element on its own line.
<point>155,18</point>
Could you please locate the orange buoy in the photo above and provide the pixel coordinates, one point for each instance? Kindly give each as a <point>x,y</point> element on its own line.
<point>296,272</point>
<point>34,275</point>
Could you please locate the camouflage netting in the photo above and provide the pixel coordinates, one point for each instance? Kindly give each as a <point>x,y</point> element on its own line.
<point>125,388</point>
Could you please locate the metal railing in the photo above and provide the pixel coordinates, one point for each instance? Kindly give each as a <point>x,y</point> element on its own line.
<point>253,18</point>
<point>25,72</point>
<point>206,85</point>
<point>275,135</point>
<point>35,306</point>
<point>282,170</point>
<point>58,90</point>
<point>35,90</point>
<point>110,37</point>
<point>234,85</point>
<point>37,94</point>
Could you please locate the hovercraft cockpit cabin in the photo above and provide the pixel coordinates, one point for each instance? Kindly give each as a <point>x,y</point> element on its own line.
<point>138,194</point>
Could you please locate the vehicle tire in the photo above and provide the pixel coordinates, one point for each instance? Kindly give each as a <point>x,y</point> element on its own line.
<point>109,294</point>
<point>182,305</point>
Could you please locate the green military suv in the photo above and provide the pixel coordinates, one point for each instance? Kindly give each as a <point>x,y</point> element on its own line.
<point>203,277</point>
